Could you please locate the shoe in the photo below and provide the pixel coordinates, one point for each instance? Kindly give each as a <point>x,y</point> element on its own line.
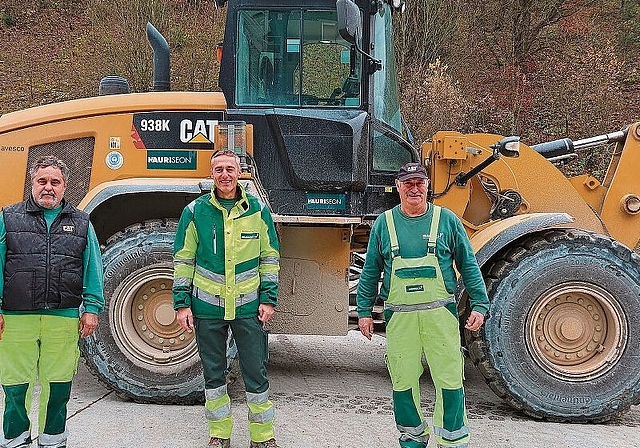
<point>217,442</point>
<point>271,443</point>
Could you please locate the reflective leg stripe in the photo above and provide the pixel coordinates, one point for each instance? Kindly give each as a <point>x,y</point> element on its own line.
<point>407,441</point>
<point>214,394</point>
<point>260,416</point>
<point>414,431</point>
<point>53,440</point>
<point>419,306</point>
<point>23,440</point>
<point>452,435</point>
<point>217,411</point>
<point>260,408</point>
<point>459,445</point>
<point>218,403</point>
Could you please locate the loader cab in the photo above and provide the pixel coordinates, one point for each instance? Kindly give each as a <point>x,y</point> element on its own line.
<point>327,129</point>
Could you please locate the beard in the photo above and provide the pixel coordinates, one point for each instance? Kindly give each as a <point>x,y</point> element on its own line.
<point>48,201</point>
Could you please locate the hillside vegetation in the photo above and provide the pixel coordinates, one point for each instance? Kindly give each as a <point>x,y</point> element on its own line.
<point>541,69</point>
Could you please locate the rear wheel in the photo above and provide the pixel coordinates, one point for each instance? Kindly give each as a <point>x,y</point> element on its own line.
<point>139,349</point>
<point>561,339</point>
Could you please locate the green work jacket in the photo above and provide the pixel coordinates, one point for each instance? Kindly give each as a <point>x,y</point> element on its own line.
<point>226,263</point>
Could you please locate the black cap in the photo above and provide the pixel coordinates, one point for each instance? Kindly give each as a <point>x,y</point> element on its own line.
<point>412,170</point>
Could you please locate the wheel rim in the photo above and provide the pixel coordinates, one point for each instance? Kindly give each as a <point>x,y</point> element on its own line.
<point>143,320</point>
<point>576,331</point>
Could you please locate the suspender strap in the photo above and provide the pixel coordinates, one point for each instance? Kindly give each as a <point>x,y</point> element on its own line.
<point>433,232</point>
<point>393,237</point>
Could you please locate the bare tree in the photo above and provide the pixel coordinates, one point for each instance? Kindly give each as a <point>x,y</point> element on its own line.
<point>515,30</point>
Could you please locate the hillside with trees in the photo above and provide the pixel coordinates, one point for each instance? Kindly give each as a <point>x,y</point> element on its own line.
<point>541,69</point>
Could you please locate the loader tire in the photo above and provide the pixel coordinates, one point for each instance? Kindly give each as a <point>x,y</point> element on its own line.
<point>139,349</point>
<point>561,339</point>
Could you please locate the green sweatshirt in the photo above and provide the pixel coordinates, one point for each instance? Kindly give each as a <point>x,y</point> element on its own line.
<point>93,286</point>
<point>452,246</point>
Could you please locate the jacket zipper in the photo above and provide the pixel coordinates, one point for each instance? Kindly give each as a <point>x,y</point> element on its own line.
<point>215,248</point>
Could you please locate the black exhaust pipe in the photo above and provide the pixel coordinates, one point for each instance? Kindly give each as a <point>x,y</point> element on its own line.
<point>161,63</point>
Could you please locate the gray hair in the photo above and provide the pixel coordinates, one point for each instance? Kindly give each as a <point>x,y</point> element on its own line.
<point>46,161</point>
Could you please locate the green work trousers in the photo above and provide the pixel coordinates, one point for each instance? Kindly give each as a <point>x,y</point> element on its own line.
<point>253,352</point>
<point>47,347</point>
<point>435,334</point>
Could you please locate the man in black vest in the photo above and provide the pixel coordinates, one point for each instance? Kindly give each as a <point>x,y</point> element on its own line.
<point>51,292</point>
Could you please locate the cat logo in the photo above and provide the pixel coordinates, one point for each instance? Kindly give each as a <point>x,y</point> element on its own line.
<point>198,131</point>
<point>67,228</point>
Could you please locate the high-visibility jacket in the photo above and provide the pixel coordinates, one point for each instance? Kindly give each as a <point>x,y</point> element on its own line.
<point>226,263</point>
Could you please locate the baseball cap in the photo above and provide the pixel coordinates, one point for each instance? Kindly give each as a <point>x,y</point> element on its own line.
<point>412,170</point>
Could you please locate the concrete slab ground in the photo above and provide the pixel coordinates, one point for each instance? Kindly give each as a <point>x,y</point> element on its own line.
<point>329,392</point>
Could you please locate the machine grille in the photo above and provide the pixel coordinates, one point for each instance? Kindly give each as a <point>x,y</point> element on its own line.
<point>77,154</point>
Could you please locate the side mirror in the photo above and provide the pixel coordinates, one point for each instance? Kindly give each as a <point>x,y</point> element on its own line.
<point>349,24</point>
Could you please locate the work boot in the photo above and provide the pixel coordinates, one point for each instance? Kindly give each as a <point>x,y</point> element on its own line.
<point>271,443</point>
<point>217,442</point>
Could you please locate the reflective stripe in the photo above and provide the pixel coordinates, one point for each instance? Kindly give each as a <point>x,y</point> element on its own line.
<point>53,440</point>
<point>257,398</point>
<point>421,439</point>
<point>188,262</point>
<point>262,417</point>
<point>419,306</point>
<point>270,260</point>
<point>246,275</point>
<point>182,281</point>
<point>452,435</point>
<point>203,295</point>
<point>413,430</point>
<point>218,301</point>
<point>269,277</point>
<point>246,298</point>
<point>23,440</point>
<point>192,206</point>
<point>219,413</point>
<point>214,394</point>
<point>459,445</point>
<point>210,275</point>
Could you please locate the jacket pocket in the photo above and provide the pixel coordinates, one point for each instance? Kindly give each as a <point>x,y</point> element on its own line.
<point>19,291</point>
<point>417,272</point>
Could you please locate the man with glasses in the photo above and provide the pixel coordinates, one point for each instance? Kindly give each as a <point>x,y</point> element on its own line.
<point>415,245</point>
<point>50,293</point>
<point>226,263</point>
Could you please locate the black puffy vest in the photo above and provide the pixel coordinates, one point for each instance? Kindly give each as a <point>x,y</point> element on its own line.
<point>43,270</point>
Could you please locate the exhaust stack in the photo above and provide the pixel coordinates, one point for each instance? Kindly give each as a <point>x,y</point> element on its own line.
<point>161,63</point>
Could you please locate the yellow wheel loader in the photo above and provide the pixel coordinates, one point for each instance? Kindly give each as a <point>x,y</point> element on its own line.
<point>310,103</point>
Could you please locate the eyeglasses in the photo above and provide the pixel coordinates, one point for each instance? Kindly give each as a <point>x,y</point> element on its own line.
<point>421,183</point>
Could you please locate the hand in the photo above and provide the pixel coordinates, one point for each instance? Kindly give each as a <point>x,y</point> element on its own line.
<point>88,324</point>
<point>1,326</point>
<point>185,318</point>
<point>365,324</point>
<point>265,311</point>
<point>475,321</point>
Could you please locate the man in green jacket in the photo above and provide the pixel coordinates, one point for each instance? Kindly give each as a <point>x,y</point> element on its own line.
<point>51,291</point>
<point>226,263</point>
<point>415,245</point>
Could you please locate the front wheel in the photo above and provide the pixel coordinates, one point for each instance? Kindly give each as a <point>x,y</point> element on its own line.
<point>139,349</point>
<point>562,338</point>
